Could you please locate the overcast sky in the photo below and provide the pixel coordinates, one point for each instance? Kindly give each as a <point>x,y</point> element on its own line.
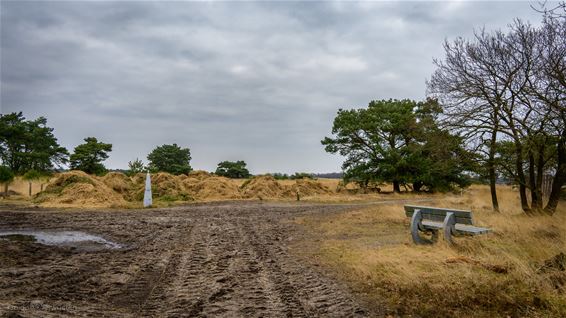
<point>253,81</point>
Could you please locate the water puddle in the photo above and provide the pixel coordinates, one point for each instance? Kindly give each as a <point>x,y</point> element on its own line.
<point>76,239</point>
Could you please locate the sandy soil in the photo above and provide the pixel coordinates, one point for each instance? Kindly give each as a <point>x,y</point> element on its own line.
<point>215,259</point>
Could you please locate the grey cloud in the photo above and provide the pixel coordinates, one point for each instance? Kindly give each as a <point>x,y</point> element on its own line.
<point>259,81</point>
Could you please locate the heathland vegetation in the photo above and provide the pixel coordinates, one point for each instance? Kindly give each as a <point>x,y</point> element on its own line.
<point>495,113</point>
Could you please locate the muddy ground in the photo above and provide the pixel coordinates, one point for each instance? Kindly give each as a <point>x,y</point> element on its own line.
<point>218,259</point>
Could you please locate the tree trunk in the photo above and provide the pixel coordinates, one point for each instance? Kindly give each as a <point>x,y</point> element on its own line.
<point>396,187</point>
<point>521,178</point>
<point>492,172</point>
<point>559,177</point>
<point>536,201</point>
<point>6,189</point>
<point>493,189</point>
<point>30,188</point>
<point>540,175</point>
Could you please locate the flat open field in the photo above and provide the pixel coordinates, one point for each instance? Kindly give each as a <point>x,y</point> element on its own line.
<point>222,259</point>
<point>285,258</point>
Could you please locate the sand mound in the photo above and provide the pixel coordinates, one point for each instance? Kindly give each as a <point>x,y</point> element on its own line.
<point>307,187</point>
<point>169,187</point>
<point>215,188</point>
<point>267,187</point>
<point>118,182</point>
<point>200,174</point>
<point>199,185</point>
<point>164,186</point>
<point>138,178</point>
<point>262,187</point>
<point>77,188</point>
<point>137,187</point>
<point>190,184</point>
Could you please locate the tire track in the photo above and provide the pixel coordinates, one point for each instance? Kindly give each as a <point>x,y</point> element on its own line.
<point>305,292</point>
<point>217,260</point>
<point>153,272</point>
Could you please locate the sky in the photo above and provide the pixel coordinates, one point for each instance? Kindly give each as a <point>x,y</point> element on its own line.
<point>253,81</point>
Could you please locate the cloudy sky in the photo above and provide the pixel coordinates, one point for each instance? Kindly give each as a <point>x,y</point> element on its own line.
<point>253,81</point>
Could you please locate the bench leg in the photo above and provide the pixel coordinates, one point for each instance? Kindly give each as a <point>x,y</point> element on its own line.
<point>449,226</point>
<point>416,228</point>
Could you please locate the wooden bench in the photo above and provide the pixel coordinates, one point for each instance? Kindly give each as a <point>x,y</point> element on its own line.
<point>451,221</point>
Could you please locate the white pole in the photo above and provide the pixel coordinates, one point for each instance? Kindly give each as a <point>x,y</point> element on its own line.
<point>147,200</point>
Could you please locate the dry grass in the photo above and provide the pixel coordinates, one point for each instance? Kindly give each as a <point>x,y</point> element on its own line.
<point>486,276</point>
<point>21,186</point>
<point>198,186</point>
<point>76,188</point>
<point>331,184</point>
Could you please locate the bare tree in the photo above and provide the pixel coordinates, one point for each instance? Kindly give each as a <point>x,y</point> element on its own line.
<point>557,10</point>
<point>547,88</point>
<point>511,87</point>
<point>468,84</point>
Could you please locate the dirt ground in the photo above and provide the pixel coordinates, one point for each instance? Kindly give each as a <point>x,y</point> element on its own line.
<point>216,259</point>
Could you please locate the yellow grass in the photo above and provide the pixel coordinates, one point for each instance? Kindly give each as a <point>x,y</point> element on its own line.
<point>132,190</point>
<point>22,186</point>
<point>485,276</point>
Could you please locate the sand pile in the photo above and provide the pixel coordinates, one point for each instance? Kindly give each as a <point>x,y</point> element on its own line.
<point>262,187</point>
<point>138,178</point>
<point>215,188</point>
<point>207,186</point>
<point>137,187</point>
<point>307,187</point>
<point>118,182</point>
<point>200,174</point>
<point>169,187</point>
<point>190,184</point>
<point>76,188</point>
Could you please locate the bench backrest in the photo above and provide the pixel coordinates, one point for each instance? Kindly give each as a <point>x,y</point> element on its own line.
<point>438,214</point>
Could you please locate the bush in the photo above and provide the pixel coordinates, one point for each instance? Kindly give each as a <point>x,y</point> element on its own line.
<point>171,159</point>
<point>233,169</point>
<point>301,175</point>
<point>88,157</point>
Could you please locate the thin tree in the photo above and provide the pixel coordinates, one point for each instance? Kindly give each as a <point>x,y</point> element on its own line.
<point>520,77</point>
<point>468,84</point>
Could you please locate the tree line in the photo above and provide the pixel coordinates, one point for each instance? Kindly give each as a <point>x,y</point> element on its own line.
<point>30,149</point>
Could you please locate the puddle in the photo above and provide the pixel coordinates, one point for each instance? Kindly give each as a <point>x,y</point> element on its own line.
<point>61,238</point>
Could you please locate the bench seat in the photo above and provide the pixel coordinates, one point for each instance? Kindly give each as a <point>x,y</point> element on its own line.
<point>449,221</point>
<point>461,228</point>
